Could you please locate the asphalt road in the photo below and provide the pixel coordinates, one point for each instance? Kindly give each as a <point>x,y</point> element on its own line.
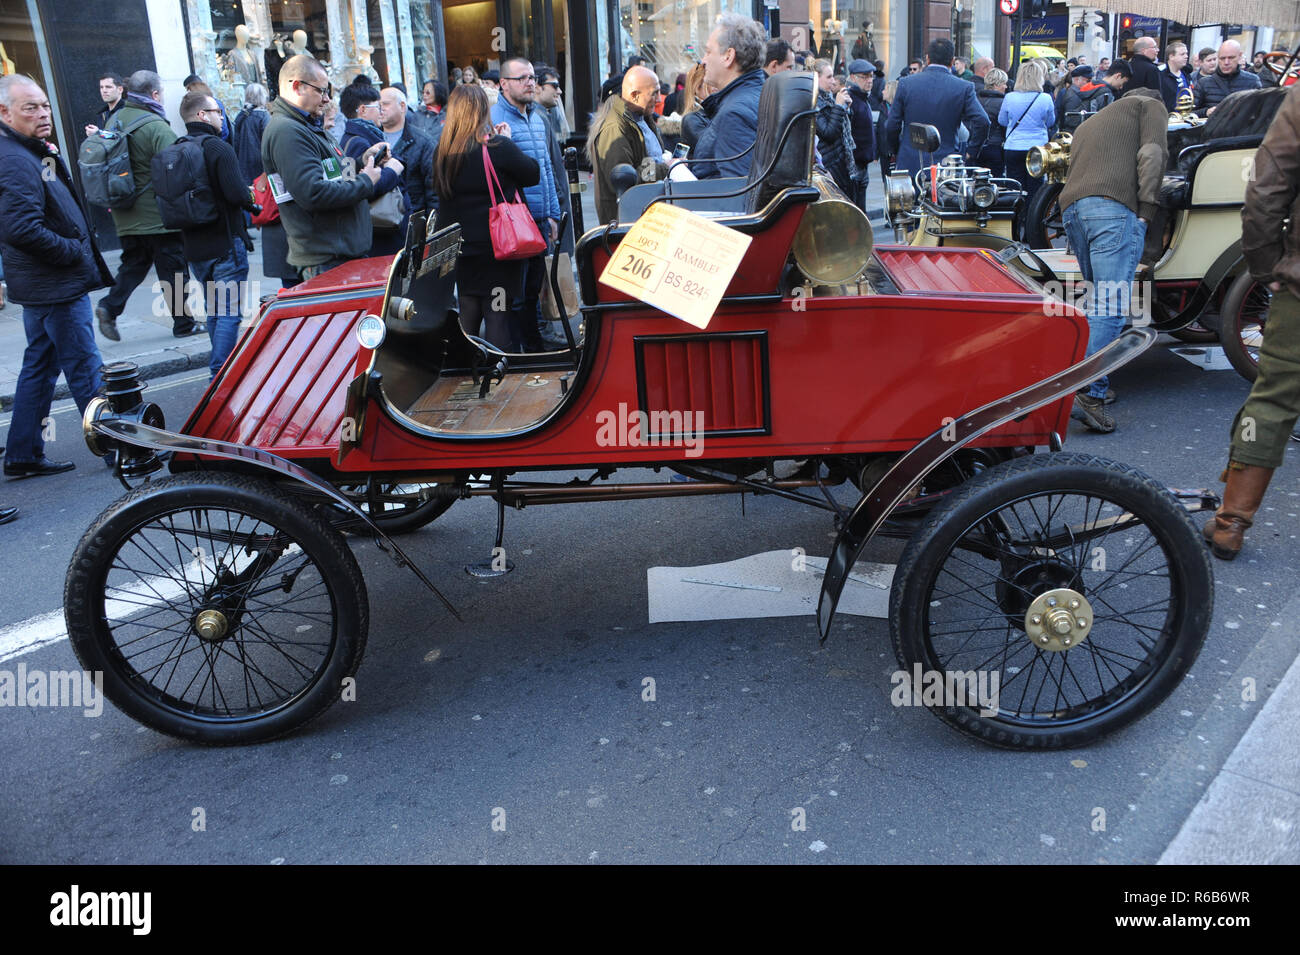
<point>531,710</point>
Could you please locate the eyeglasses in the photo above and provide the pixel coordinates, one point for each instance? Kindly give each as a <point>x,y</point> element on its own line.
<point>327,92</point>
<point>529,78</point>
<point>552,83</point>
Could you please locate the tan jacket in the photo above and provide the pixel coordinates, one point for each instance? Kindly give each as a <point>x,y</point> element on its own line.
<point>1272,195</point>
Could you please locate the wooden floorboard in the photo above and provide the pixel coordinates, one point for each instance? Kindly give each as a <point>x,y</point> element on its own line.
<point>452,403</point>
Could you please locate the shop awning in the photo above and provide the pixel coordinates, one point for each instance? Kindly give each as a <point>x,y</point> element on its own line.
<point>1281,14</point>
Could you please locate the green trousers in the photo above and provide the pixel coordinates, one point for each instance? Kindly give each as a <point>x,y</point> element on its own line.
<point>1263,425</point>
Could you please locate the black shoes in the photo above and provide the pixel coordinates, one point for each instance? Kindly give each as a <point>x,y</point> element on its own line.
<point>7,514</point>
<point>107,324</point>
<point>22,469</point>
<point>192,330</point>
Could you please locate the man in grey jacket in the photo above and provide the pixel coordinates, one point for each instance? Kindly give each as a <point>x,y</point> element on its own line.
<point>324,202</point>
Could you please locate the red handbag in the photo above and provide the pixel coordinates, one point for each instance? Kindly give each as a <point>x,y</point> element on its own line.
<point>514,233</point>
<point>263,196</point>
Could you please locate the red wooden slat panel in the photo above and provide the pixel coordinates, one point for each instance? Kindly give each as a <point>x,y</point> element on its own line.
<point>720,377</point>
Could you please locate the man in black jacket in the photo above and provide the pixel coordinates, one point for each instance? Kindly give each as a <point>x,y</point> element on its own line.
<point>51,264</point>
<point>218,253</point>
<point>862,124</point>
<point>411,147</point>
<point>1227,78</point>
<point>1147,75</point>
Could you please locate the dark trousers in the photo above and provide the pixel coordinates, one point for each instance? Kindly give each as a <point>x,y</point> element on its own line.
<point>167,256</point>
<point>60,337</point>
<point>990,157</point>
<point>1015,159</point>
<point>526,312</point>
<point>1263,425</point>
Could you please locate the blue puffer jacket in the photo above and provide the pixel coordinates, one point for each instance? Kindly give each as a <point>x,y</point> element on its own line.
<point>49,253</point>
<point>733,125</point>
<point>532,134</point>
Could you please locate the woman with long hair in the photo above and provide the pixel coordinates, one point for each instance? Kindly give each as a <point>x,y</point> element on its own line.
<point>485,285</point>
<point>1027,115</point>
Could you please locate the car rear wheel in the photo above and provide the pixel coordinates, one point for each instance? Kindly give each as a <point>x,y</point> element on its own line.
<point>1076,589</point>
<point>1242,319</point>
<point>218,608</point>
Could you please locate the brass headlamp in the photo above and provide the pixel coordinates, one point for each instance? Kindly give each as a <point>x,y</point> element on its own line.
<point>1051,161</point>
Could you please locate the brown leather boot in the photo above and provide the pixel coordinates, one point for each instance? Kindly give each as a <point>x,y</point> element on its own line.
<point>1242,495</point>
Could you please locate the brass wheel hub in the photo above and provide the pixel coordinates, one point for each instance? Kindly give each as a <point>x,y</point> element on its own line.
<point>211,625</point>
<point>1058,620</point>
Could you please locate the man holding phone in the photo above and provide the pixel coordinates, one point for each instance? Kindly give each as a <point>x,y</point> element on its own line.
<point>325,211</point>
<point>619,138</point>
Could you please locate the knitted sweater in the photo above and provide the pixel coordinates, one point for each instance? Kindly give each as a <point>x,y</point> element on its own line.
<point>1121,153</point>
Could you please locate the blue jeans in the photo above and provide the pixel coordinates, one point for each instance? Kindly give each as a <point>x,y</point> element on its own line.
<point>1107,240</point>
<point>225,285</point>
<point>59,338</point>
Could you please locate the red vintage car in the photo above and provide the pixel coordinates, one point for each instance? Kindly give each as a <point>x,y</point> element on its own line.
<point>223,605</point>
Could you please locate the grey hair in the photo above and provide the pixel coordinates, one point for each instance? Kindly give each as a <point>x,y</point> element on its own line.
<point>144,83</point>
<point>397,94</point>
<point>995,77</point>
<point>9,83</point>
<point>255,95</point>
<point>738,32</point>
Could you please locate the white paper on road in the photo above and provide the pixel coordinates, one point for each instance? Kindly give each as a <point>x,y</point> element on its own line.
<point>762,585</point>
<point>1207,357</point>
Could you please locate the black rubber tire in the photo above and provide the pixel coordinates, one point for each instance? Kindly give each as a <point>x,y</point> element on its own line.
<point>136,525</point>
<point>971,510</point>
<point>1196,334</point>
<point>405,520</point>
<point>1236,318</point>
<point>1036,216</point>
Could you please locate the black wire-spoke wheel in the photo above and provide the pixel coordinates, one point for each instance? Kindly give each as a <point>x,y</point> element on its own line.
<point>402,507</point>
<point>1072,592</point>
<point>1241,323</point>
<point>1044,223</point>
<point>218,608</point>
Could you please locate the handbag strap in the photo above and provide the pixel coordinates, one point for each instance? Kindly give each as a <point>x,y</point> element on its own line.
<point>492,178</point>
<point>1016,124</point>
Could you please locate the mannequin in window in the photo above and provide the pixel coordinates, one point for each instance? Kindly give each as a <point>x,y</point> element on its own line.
<point>240,60</point>
<point>274,58</point>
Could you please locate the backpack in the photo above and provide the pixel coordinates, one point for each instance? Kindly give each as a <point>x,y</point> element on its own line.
<point>181,185</point>
<point>105,163</point>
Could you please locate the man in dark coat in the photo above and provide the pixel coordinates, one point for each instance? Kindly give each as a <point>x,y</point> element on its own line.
<point>218,253</point>
<point>412,147</point>
<point>936,97</point>
<point>620,139</point>
<point>863,123</point>
<point>327,217</point>
<point>51,264</point>
<point>1227,78</point>
<point>1147,75</point>
<point>733,65</point>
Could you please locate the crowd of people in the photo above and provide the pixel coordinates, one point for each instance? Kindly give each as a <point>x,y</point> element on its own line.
<point>333,178</point>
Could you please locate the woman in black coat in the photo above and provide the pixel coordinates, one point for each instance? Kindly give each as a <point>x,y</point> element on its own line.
<point>484,285</point>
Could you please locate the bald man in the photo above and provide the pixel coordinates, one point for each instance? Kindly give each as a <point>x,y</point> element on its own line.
<point>1147,75</point>
<point>624,135</point>
<point>1228,78</point>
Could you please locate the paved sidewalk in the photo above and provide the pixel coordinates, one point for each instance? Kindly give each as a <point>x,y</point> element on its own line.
<point>146,337</point>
